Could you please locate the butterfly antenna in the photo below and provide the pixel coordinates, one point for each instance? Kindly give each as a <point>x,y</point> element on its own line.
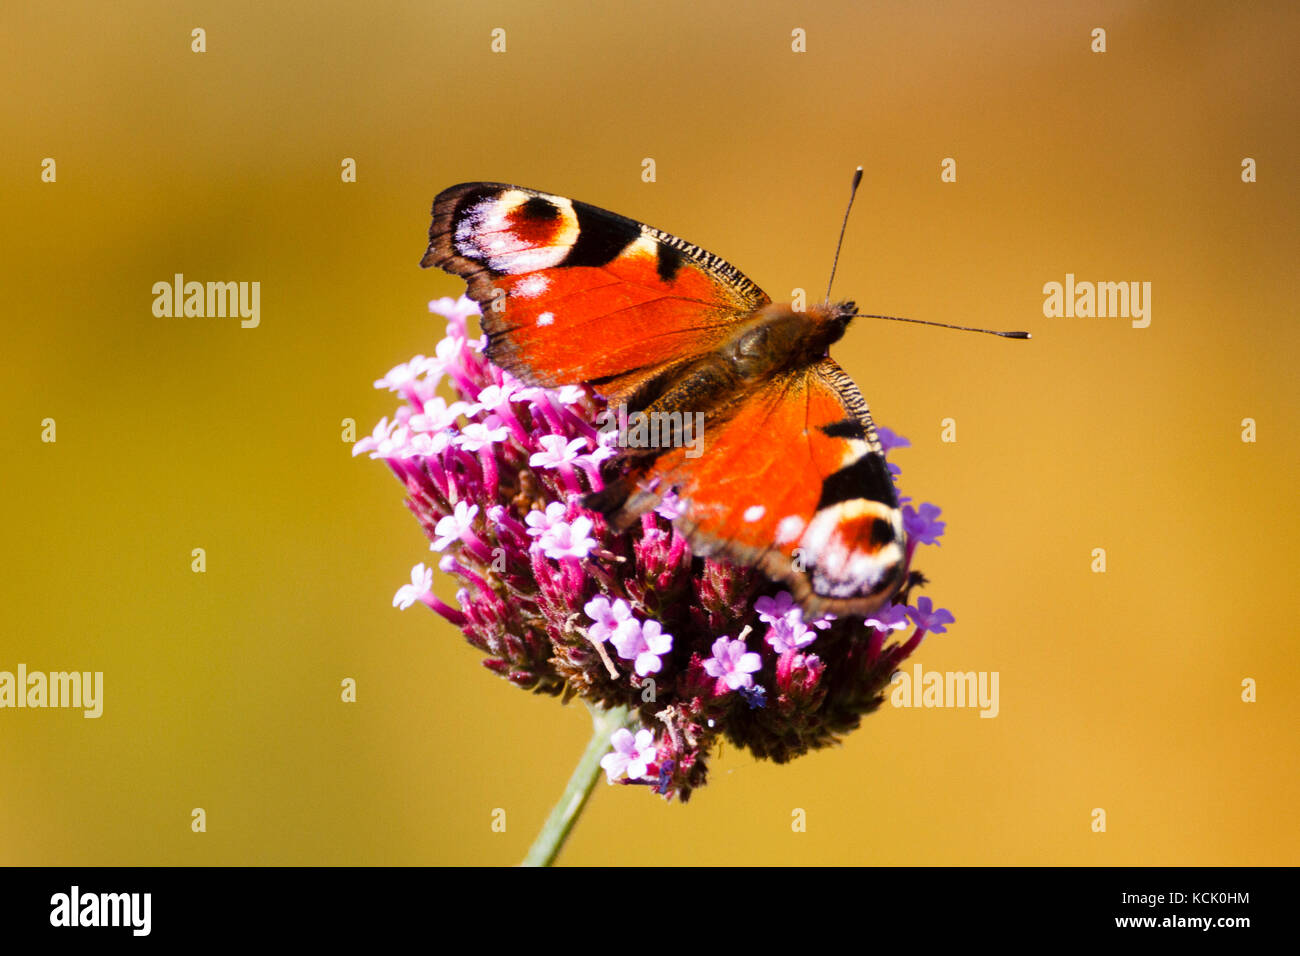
<point>853,191</point>
<point>945,325</point>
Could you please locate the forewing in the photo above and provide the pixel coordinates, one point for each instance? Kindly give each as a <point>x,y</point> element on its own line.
<point>573,294</point>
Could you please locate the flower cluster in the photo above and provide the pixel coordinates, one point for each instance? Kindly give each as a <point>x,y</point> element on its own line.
<point>697,648</point>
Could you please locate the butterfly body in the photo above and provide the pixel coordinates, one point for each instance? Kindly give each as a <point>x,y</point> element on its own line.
<point>775,340</point>
<point>780,339</point>
<point>790,477</point>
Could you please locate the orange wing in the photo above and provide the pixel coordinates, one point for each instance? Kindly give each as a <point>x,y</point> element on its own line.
<point>791,478</point>
<point>574,294</point>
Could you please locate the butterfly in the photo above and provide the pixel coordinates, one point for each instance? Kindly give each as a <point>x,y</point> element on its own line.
<point>790,477</point>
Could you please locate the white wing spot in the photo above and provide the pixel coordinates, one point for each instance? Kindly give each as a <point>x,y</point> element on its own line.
<point>530,287</point>
<point>755,513</point>
<point>545,318</point>
<point>789,529</point>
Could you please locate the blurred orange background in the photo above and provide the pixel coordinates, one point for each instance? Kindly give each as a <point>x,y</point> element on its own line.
<point>1119,691</point>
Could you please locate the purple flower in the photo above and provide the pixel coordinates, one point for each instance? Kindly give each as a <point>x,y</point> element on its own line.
<point>788,634</point>
<point>497,398</point>
<point>601,452</point>
<point>670,506</point>
<point>788,631</point>
<point>556,451</point>
<point>559,603</point>
<point>374,439</point>
<point>779,607</point>
<point>454,526</point>
<point>424,445</point>
<point>420,587</point>
<point>455,311</point>
<point>889,439</point>
<point>922,525</point>
<point>754,697</point>
<point>928,619</point>
<point>631,757</point>
<point>733,663</point>
<point>664,782</point>
<point>437,415</point>
<point>606,617</point>
<point>447,357</point>
<point>401,376</point>
<point>643,644</point>
<point>891,617</point>
<point>541,521</point>
<point>564,540</point>
<point>564,395</point>
<point>476,436</point>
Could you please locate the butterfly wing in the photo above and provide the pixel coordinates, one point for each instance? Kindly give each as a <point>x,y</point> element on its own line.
<point>791,478</point>
<point>573,294</point>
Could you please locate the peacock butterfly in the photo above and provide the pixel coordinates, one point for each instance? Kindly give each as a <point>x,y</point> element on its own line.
<point>792,478</point>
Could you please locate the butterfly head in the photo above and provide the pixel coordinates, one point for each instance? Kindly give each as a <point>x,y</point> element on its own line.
<point>830,321</point>
<point>781,337</point>
<point>843,312</point>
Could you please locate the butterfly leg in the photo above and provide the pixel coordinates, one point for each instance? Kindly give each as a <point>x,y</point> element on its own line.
<point>610,500</point>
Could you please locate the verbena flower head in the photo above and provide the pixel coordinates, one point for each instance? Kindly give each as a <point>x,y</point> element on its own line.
<point>699,649</point>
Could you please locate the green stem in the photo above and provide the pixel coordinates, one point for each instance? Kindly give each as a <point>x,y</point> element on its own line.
<point>566,811</point>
